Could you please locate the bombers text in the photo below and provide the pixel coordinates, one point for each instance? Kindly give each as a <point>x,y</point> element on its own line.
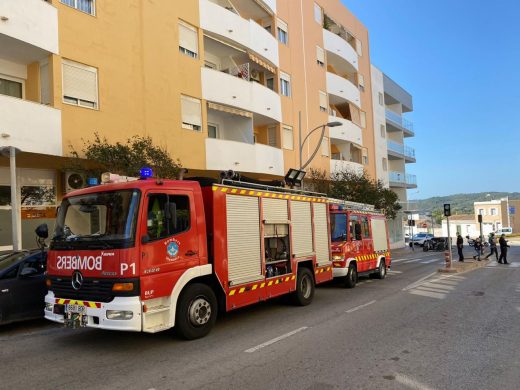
<point>80,263</point>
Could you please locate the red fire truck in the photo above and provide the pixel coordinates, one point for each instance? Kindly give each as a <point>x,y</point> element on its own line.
<point>148,255</point>
<point>359,241</point>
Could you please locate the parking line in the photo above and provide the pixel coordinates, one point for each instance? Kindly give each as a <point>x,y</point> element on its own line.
<point>359,307</point>
<point>275,340</point>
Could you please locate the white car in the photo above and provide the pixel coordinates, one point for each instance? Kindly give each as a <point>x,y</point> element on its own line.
<point>505,230</point>
<point>419,238</point>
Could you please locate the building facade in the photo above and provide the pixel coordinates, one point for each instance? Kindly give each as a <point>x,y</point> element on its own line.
<point>392,154</point>
<point>220,84</point>
<point>497,214</point>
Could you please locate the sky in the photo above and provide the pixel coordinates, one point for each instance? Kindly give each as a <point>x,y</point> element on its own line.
<point>460,61</point>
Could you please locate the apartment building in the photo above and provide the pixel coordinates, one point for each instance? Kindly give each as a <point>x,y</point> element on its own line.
<point>391,129</point>
<point>221,84</point>
<point>497,214</point>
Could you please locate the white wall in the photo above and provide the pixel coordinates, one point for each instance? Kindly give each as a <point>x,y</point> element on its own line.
<point>379,120</point>
<point>337,45</point>
<point>232,127</point>
<point>338,86</point>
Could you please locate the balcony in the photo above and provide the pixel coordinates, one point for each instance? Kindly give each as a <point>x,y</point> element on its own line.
<point>28,30</point>
<point>270,4</point>
<point>340,54</point>
<point>229,26</point>
<point>223,88</point>
<point>400,122</point>
<point>396,149</point>
<point>341,91</point>
<point>29,126</point>
<point>348,131</point>
<point>342,165</point>
<point>401,179</point>
<point>243,157</point>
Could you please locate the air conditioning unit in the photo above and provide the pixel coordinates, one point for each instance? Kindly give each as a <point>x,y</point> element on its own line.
<point>73,181</point>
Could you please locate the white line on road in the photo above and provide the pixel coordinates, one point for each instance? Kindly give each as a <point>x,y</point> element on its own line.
<point>415,284</point>
<point>411,383</point>
<point>429,294</point>
<point>391,271</point>
<point>275,340</point>
<point>359,307</point>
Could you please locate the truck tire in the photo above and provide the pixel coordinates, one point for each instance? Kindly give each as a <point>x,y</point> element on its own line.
<point>381,271</point>
<point>304,287</point>
<point>196,311</point>
<point>352,276</point>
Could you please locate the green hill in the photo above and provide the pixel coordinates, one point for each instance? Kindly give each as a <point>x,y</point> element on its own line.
<point>462,203</point>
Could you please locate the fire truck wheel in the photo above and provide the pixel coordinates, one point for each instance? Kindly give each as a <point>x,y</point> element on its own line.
<point>304,287</point>
<point>352,276</point>
<point>381,271</point>
<point>196,311</point>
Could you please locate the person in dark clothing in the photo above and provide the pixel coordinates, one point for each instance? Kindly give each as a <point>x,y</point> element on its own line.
<point>460,244</point>
<point>503,249</point>
<point>477,244</point>
<point>492,246</point>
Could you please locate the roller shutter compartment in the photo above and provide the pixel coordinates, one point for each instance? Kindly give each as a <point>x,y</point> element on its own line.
<point>301,228</point>
<point>321,234</point>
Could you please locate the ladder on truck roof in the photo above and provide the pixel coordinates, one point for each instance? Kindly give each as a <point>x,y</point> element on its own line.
<point>264,187</point>
<point>357,206</point>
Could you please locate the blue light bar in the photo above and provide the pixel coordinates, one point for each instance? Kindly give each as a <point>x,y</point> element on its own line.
<point>92,181</point>
<point>145,173</point>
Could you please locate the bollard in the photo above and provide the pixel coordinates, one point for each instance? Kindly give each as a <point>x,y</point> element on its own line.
<point>447,259</point>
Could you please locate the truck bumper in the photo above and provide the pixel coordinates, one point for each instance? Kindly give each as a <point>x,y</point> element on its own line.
<point>96,317</point>
<point>339,272</point>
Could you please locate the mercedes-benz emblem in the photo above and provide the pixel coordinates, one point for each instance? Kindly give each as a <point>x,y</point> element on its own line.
<point>77,280</point>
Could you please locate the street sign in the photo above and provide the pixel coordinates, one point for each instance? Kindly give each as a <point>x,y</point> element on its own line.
<point>424,225</point>
<point>512,210</point>
<point>447,209</point>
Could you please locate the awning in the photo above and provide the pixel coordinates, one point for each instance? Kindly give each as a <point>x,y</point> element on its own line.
<point>229,110</point>
<point>261,62</point>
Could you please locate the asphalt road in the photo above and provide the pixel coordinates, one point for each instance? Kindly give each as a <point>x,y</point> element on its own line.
<point>416,329</point>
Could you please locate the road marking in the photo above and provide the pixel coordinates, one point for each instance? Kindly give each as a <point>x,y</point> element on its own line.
<point>431,289</point>
<point>429,261</point>
<point>411,261</point>
<point>359,307</point>
<point>428,294</point>
<point>392,272</point>
<point>437,285</point>
<point>415,284</point>
<point>275,340</point>
<point>411,383</point>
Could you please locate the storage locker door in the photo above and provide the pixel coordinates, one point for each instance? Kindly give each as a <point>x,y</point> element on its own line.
<point>243,238</point>
<point>275,209</point>
<point>301,228</point>
<point>379,234</point>
<point>321,234</point>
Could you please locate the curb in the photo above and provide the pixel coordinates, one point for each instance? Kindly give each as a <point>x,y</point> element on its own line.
<point>460,267</point>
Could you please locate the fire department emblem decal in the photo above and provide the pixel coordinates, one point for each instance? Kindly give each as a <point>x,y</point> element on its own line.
<point>173,249</point>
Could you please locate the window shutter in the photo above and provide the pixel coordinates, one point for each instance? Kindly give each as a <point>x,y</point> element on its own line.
<point>363,119</point>
<point>323,100</point>
<point>364,156</point>
<point>325,146</point>
<point>318,15</point>
<point>45,92</point>
<point>359,48</point>
<point>79,81</point>
<point>188,38</point>
<point>282,25</point>
<point>361,80</point>
<point>191,110</point>
<point>354,113</point>
<point>271,136</point>
<point>320,54</point>
<point>288,138</point>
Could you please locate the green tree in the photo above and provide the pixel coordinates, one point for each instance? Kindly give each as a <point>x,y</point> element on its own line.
<point>124,158</point>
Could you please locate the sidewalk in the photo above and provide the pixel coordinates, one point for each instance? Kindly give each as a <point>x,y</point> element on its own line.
<point>466,265</point>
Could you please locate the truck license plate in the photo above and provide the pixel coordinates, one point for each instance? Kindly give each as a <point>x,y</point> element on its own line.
<point>79,309</point>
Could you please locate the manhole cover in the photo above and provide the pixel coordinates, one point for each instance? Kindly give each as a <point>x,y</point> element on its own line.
<point>477,293</point>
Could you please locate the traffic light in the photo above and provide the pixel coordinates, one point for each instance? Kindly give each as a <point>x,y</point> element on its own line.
<point>411,222</point>
<point>447,209</point>
<point>479,218</point>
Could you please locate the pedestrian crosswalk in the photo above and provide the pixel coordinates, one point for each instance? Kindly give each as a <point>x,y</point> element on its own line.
<point>437,288</point>
<point>493,264</point>
<point>418,260</point>
<point>390,272</point>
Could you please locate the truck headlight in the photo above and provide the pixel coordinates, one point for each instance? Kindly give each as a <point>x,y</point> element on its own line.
<point>338,258</point>
<point>119,314</point>
<point>49,306</point>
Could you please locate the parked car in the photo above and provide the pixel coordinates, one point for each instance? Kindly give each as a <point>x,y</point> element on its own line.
<point>419,238</point>
<point>505,230</point>
<point>22,285</point>
<point>436,244</point>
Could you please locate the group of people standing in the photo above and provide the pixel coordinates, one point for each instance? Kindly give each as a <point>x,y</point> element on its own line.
<point>478,245</point>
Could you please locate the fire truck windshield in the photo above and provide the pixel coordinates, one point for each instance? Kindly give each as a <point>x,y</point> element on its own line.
<point>100,220</point>
<point>338,227</point>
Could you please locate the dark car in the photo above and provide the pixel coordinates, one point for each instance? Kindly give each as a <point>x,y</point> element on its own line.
<point>22,285</point>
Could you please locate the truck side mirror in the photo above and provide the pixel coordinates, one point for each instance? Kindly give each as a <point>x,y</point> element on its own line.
<point>42,231</point>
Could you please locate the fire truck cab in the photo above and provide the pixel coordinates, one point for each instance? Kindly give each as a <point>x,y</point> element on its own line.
<point>148,255</point>
<point>359,241</point>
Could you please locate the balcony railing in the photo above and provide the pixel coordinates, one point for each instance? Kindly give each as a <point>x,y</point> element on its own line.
<point>401,149</point>
<point>409,152</point>
<point>398,119</point>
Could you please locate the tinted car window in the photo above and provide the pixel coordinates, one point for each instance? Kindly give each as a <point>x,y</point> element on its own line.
<point>37,262</point>
<point>8,261</point>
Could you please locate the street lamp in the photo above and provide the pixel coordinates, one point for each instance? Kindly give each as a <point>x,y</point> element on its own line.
<point>330,124</point>
<point>10,152</point>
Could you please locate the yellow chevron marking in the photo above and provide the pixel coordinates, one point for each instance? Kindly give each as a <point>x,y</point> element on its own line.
<point>254,287</point>
<point>251,192</point>
<point>258,194</point>
<point>234,191</point>
<point>287,278</point>
<point>242,192</point>
<point>232,292</point>
<point>293,197</point>
<point>277,281</point>
<point>242,289</point>
<point>317,271</point>
<point>298,197</point>
<point>262,285</point>
<point>270,283</point>
<point>287,196</point>
<point>280,196</point>
<point>61,301</point>
<point>92,304</point>
<point>293,277</point>
<point>224,189</point>
<point>328,268</point>
<point>214,188</point>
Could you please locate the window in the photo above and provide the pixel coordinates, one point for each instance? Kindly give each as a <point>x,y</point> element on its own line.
<point>212,130</point>
<point>191,113</point>
<point>364,156</point>
<point>318,14</point>
<point>210,65</point>
<point>383,131</point>
<point>325,150</point>
<point>287,138</point>
<point>188,39</point>
<point>381,99</point>
<point>385,164</point>
<point>87,6</point>
<point>283,35</point>
<point>167,215</point>
<point>11,88</point>
<point>37,263</point>
<point>359,48</point>
<point>269,83</point>
<point>80,84</point>
<point>271,136</point>
<point>285,84</point>
<point>363,119</point>
<point>493,211</point>
<point>354,228</point>
<point>323,101</point>
<point>320,56</point>
<point>361,82</point>
<point>481,212</point>
<point>364,227</point>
